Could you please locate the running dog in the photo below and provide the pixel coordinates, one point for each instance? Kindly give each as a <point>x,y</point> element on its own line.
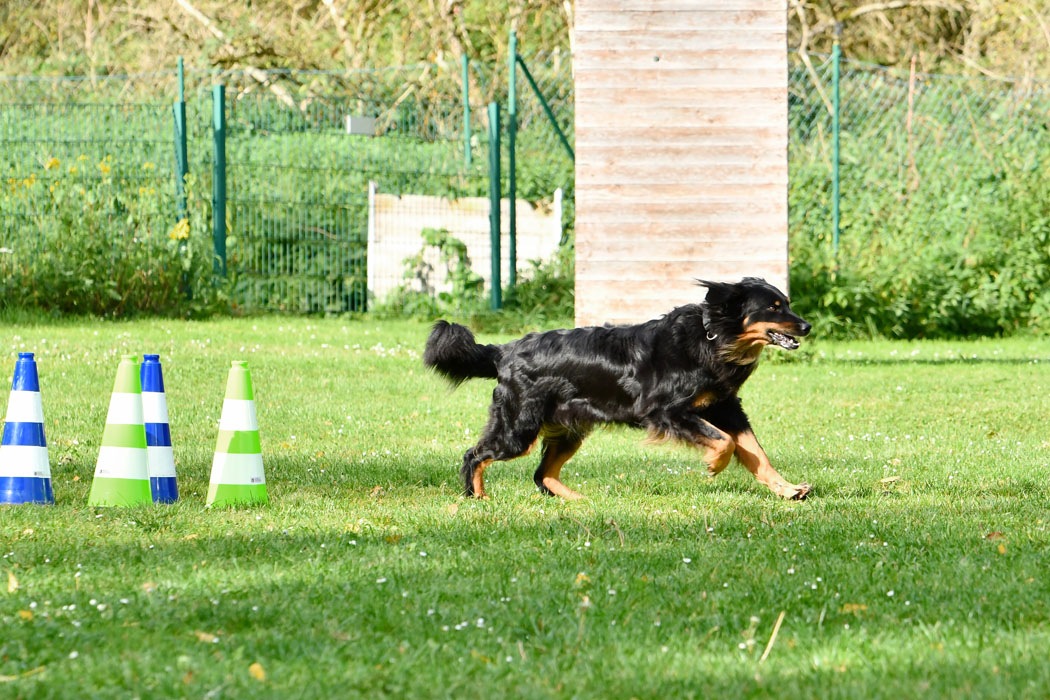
<point>676,377</point>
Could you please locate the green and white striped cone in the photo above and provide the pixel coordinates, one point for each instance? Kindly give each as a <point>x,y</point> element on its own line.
<point>122,470</point>
<point>237,468</point>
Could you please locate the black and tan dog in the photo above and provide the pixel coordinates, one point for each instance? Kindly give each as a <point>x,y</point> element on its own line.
<point>676,376</point>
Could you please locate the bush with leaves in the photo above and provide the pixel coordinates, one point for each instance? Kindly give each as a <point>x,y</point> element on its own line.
<point>103,246</point>
<point>961,254</point>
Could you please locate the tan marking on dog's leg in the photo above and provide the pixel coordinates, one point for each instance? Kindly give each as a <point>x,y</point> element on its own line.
<point>719,454</point>
<point>754,459</point>
<point>550,471</point>
<point>479,479</point>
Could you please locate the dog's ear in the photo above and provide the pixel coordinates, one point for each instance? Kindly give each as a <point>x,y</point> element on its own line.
<point>720,295</point>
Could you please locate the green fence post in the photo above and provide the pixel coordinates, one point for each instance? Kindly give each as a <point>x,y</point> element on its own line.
<point>218,190</point>
<point>512,169</point>
<point>836,54</point>
<point>494,213</point>
<point>466,111</point>
<point>181,161</point>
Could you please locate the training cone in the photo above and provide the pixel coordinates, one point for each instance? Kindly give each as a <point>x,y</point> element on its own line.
<point>237,469</point>
<point>122,470</point>
<point>158,435</point>
<point>25,473</point>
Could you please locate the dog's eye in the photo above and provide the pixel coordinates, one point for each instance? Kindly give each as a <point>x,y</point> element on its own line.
<point>772,308</point>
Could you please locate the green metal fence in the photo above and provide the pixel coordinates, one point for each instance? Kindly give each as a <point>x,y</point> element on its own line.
<point>914,145</point>
<point>298,179</point>
<point>54,146</point>
<point>545,118</point>
<point>279,168</point>
<point>96,162</point>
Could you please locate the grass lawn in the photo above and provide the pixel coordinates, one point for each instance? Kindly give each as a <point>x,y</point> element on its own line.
<point>918,568</point>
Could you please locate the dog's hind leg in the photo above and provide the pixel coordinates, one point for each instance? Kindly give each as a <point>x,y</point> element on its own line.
<point>472,473</point>
<point>507,435</point>
<point>558,448</point>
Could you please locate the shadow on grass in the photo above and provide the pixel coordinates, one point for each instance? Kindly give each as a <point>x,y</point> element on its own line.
<point>608,599</point>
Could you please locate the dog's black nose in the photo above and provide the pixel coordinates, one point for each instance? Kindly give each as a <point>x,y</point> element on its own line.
<point>804,328</point>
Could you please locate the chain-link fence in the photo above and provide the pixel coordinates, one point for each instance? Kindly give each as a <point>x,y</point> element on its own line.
<point>349,190</point>
<point>342,191</point>
<point>907,138</point>
<point>941,190</point>
<point>545,153</point>
<point>302,149</point>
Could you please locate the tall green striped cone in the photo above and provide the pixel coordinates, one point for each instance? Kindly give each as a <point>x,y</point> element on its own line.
<point>237,469</point>
<point>122,470</point>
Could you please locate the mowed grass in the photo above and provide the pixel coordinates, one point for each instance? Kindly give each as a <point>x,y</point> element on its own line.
<point>919,566</point>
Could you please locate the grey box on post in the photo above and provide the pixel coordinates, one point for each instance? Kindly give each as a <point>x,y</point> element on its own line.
<point>365,126</point>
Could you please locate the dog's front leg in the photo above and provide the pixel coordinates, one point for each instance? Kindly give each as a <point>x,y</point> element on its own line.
<point>754,458</point>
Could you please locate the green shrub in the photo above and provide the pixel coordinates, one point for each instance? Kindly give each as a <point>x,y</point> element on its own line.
<point>961,251</point>
<point>103,246</point>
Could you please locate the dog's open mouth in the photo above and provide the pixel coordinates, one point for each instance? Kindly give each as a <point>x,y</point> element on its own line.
<point>788,342</point>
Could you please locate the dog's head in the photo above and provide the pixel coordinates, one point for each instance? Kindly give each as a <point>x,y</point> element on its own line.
<point>747,315</point>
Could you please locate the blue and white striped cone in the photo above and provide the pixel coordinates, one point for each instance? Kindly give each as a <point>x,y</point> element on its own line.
<point>25,472</point>
<point>162,483</point>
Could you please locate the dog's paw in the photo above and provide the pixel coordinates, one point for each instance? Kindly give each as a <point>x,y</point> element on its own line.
<point>792,492</point>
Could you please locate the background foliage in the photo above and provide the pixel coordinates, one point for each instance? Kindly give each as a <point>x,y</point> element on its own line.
<point>98,36</point>
<point>942,235</point>
<point>945,210</point>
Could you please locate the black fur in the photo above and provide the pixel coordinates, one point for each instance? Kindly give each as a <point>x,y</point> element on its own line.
<point>452,351</point>
<point>676,376</point>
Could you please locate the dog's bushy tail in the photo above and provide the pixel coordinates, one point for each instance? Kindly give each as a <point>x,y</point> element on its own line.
<point>452,351</point>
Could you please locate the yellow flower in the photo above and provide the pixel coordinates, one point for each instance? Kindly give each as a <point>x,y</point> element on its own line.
<point>72,171</point>
<point>147,166</point>
<point>104,167</point>
<point>180,231</point>
<point>81,157</point>
<point>52,162</point>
